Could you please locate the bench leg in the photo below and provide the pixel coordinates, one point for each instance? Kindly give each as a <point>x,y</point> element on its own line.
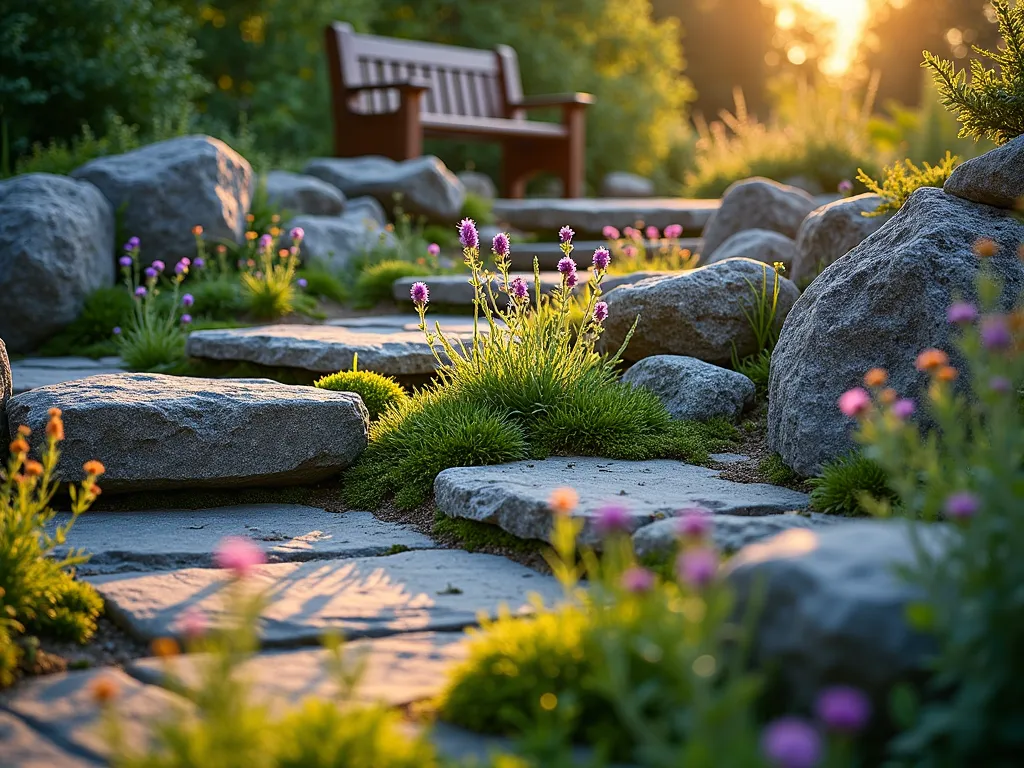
<point>575,163</point>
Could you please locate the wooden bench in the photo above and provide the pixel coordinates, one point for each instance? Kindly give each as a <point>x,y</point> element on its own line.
<point>388,94</point>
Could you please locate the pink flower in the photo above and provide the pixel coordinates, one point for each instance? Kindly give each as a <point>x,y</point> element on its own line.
<point>613,518</point>
<point>902,409</point>
<point>697,566</point>
<point>610,233</point>
<point>433,249</point>
<point>420,294</point>
<point>790,742</point>
<point>193,623</point>
<point>673,231</point>
<point>629,251</point>
<point>239,554</point>
<point>695,523</point>
<point>652,233</point>
<point>854,402</point>
<point>845,187</point>
<point>637,580</point>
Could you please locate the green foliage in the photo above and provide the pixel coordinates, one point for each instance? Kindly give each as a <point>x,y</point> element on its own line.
<point>219,298</point>
<point>761,314</point>
<point>991,104</point>
<point>61,157</point>
<point>478,208</point>
<point>473,535</point>
<point>268,286</point>
<point>901,180</point>
<point>71,63</point>
<point>321,282</point>
<point>846,486</point>
<point>757,368</point>
<point>37,592</point>
<point>378,392</point>
<point>374,283</point>
<point>92,332</point>
<point>775,471</point>
<point>964,460</point>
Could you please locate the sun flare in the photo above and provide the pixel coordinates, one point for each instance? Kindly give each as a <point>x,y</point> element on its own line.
<point>846,17</point>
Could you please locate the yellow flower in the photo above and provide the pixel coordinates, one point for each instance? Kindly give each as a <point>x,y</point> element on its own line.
<point>876,377</point>
<point>563,500</point>
<point>779,267</point>
<point>275,231</point>
<point>275,219</point>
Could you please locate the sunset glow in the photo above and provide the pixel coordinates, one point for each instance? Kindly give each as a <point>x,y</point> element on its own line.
<point>847,19</point>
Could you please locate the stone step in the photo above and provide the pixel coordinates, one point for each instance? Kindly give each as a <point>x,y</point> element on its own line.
<point>588,216</point>
<point>515,496</point>
<point>33,372</point>
<point>175,538</point>
<point>422,590</point>
<point>24,747</point>
<point>156,432</point>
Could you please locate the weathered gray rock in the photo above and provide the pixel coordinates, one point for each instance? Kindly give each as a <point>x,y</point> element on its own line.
<point>698,313</point>
<point>56,246</point>
<point>153,431</point>
<point>762,245</point>
<point>692,389</point>
<point>832,608</point>
<point>27,748</point>
<point>298,194</point>
<point>164,189</point>
<point>335,240</point>
<point>425,185</point>
<point>177,538</point>
<point>833,231</point>
<point>34,372</point>
<point>730,533</point>
<point>588,216</point>
<point>995,178</point>
<point>623,184</point>
<point>366,208</point>
<point>757,204</point>
<point>6,389</point>
<point>880,306</point>
<point>515,496</point>
<point>479,184</point>
<point>433,589</point>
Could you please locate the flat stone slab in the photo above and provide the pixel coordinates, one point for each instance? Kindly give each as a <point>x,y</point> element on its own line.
<point>33,372</point>
<point>24,747</point>
<point>422,590</point>
<point>62,708</point>
<point>730,533</point>
<point>515,496</point>
<point>153,431</point>
<point>590,215</point>
<point>397,670</point>
<point>176,538</point>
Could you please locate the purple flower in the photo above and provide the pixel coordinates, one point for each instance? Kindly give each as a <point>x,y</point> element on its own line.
<point>297,234</point>
<point>1000,384</point>
<point>302,282</point>
<point>186,319</point>
<point>265,242</point>
<point>844,709</point>
<point>117,330</point>
<point>610,233</point>
<point>697,566</point>
<point>962,505</point>
<point>140,291</point>
<point>132,244</point>
<point>187,300</point>
<point>433,249</point>
<point>995,333</point>
<point>501,245</point>
<point>125,261</point>
<point>151,273</point>
<point>199,263</point>
<point>902,409</point>
<point>845,187</point>
<point>602,258</point>
<point>673,231</point>
<point>565,235</point>
<point>467,234</point>
<point>962,313</point>
<point>518,289</point>
<point>159,266</point>
<point>695,523</point>
<point>601,311</point>
<point>420,294</point>
<point>613,518</point>
<point>571,280</point>
<point>566,265</point>
<point>180,268</point>
<point>790,742</point>
<point>637,580</point>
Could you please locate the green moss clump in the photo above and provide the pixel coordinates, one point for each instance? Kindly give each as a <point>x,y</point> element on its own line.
<point>473,535</point>
<point>374,283</point>
<point>844,482</point>
<point>776,472</point>
<point>378,392</point>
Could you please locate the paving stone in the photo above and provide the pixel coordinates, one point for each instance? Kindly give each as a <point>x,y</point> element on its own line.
<point>397,670</point>
<point>33,372</point>
<point>153,431</point>
<point>176,538</point>
<point>588,216</point>
<point>62,708</point>
<point>363,597</point>
<point>730,532</point>
<point>23,747</point>
<point>515,496</point>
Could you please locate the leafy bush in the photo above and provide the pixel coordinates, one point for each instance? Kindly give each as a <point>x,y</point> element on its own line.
<point>844,484</point>
<point>966,467</point>
<point>378,392</point>
<point>71,63</point>
<point>478,208</point>
<point>901,180</point>
<point>37,592</point>
<point>323,283</point>
<point>92,332</point>
<point>991,104</point>
<point>374,283</point>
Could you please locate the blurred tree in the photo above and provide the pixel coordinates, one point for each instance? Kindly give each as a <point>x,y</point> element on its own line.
<point>614,49</point>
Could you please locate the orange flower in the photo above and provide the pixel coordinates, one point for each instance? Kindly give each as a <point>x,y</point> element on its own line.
<point>275,231</point>
<point>563,500</point>
<point>283,253</point>
<point>165,647</point>
<point>250,218</point>
<point>33,468</point>
<point>19,445</point>
<point>876,377</point>
<point>104,690</point>
<point>197,230</point>
<point>931,360</point>
<point>55,427</point>
<point>24,431</point>
<point>947,373</point>
<point>985,247</point>
<point>888,396</point>
<point>250,235</point>
<point>275,218</point>
<point>1020,252</point>
<point>94,468</point>
<point>54,413</point>
<point>95,490</point>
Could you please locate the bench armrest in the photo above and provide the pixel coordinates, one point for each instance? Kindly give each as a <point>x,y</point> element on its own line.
<point>554,100</point>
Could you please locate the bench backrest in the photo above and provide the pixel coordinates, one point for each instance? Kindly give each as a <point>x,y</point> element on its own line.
<point>462,81</point>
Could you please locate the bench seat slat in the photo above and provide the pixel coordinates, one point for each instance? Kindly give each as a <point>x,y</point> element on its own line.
<point>493,126</point>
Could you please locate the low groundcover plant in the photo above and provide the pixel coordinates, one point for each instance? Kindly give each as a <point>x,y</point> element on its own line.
<point>527,384</point>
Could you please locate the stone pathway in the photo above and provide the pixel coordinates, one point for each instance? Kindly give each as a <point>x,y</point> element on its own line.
<point>32,372</point>
<point>589,216</point>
